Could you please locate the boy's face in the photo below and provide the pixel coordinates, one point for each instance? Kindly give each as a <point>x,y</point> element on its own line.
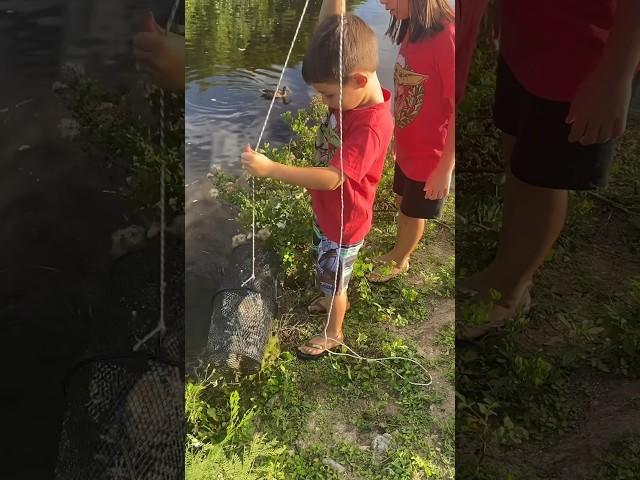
<point>353,92</point>
<point>397,8</point>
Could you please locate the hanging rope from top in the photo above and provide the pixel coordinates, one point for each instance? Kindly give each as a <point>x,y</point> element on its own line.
<point>262,130</point>
<point>162,326</point>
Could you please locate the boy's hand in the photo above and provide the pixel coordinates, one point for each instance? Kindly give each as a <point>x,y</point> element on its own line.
<point>256,163</point>
<point>154,52</point>
<point>599,110</point>
<point>437,185</point>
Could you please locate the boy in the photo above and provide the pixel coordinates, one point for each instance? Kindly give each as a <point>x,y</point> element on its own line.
<point>563,88</point>
<point>367,131</point>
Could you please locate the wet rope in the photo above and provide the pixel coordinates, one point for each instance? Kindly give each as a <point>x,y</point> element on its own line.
<point>162,326</point>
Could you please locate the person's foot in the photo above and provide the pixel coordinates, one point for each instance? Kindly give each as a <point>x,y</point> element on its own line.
<point>319,346</point>
<point>320,305</point>
<point>387,271</point>
<point>386,258</point>
<point>497,317</point>
<point>483,282</point>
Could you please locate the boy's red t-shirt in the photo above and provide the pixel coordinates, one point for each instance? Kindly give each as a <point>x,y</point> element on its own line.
<point>425,91</point>
<point>366,138</point>
<point>552,46</point>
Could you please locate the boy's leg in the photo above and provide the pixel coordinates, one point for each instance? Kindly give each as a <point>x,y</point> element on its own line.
<point>329,265</point>
<point>321,303</point>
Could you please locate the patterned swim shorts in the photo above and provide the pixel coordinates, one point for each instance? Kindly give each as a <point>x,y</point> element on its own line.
<point>327,262</point>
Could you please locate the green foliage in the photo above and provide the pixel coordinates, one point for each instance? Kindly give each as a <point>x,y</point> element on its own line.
<point>284,210</point>
<point>617,341</point>
<point>111,131</point>
<point>240,454</point>
<point>621,461</point>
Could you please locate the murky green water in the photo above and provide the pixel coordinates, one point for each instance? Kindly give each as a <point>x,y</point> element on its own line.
<point>235,48</point>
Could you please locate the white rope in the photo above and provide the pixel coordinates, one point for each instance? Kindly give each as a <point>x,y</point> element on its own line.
<point>162,326</point>
<point>354,354</point>
<point>264,126</point>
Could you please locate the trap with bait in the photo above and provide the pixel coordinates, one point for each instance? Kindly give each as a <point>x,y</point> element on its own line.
<point>124,415</point>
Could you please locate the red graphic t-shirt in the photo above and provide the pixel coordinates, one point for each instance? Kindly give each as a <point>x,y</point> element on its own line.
<point>551,46</point>
<point>425,87</point>
<point>366,138</point>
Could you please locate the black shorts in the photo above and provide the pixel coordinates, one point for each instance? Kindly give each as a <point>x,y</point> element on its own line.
<point>413,203</point>
<point>543,155</point>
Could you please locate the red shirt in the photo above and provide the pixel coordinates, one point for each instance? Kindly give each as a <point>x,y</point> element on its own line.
<point>366,138</point>
<point>468,20</point>
<point>425,87</point>
<point>551,46</point>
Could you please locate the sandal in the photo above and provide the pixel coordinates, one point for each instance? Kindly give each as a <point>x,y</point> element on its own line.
<point>316,307</point>
<point>323,350</point>
<point>497,318</point>
<point>378,274</point>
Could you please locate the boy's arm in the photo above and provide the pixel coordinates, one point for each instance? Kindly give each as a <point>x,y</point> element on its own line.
<point>330,8</point>
<point>599,109</point>
<point>313,178</point>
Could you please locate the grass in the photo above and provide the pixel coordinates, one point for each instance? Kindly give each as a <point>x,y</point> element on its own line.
<point>329,412</point>
<point>524,394</point>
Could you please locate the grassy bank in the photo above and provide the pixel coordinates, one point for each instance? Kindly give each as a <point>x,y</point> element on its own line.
<point>331,418</point>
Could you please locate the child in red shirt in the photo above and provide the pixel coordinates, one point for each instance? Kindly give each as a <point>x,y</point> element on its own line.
<point>424,121</point>
<point>564,82</point>
<point>367,129</point>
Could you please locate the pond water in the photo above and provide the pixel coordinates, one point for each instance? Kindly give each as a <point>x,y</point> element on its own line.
<point>235,48</point>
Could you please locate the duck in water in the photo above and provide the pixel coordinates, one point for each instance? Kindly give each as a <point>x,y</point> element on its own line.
<point>281,94</point>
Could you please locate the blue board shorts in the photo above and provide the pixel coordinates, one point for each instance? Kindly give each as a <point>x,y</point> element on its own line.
<point>325,252</point>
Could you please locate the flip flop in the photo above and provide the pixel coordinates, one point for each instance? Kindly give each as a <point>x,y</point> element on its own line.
<point>465,290</point>
<point>377,277</point>
<point>316,307</point>
<point>498,317</point>
<point>324,351</point>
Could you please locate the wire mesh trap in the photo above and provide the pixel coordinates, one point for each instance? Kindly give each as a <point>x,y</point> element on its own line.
<point>125,409</point>
<point>242,318</point>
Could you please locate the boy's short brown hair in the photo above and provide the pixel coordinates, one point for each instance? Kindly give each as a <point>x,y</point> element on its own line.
<point>360,50</point>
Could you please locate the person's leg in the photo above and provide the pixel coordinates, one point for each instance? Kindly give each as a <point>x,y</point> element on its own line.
<point>330,266</point>
<point>533,219</point>
<point>413,210</point>
<point>410,231</point>
<point>543,167</point>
